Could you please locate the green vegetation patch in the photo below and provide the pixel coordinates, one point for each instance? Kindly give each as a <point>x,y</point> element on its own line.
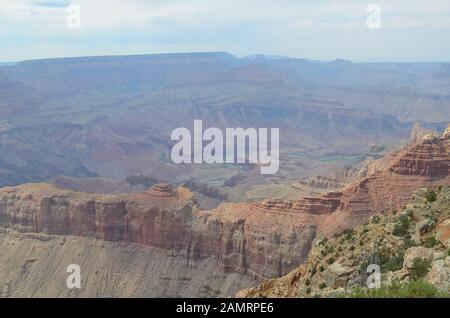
<point>412,289</point>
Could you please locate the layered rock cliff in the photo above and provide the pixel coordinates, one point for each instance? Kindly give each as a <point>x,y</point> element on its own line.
<point>389,182</point>
<point>243,238</point>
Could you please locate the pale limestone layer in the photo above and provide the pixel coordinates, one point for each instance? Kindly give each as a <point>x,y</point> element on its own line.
<point>35,266</point>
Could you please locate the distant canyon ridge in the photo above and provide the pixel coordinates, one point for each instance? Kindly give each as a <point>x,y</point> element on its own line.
<point>110,118</point>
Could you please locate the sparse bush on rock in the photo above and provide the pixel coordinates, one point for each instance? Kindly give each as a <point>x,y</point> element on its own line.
<point>420,269</point>
<point>412,289</point>
<point>431,196</point>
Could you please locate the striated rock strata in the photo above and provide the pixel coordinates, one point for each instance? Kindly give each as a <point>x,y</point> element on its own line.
<point>243,238</point>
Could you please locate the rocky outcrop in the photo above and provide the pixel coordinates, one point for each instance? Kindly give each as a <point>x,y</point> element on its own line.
<point>443,233</point>
<point>332,182</point>
<point>390,182</point>
<point>391,243</point>
<point>430,157</point>
<point>413,253</point>
<point>439,274</point>
<point>418,133</point>
<point>337,275</point>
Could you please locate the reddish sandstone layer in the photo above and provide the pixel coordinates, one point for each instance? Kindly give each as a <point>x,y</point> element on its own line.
<point>391,181</point>
<point>151,218</point>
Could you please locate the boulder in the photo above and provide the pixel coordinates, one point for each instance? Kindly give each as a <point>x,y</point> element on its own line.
<point>439,255</point>
<point>425,226</point>
<point>443,233</point>
<point>337,275</point>
<point>390,277</point>
<point>413,253</point>
<point>439,274</point>
<point>400,274</point>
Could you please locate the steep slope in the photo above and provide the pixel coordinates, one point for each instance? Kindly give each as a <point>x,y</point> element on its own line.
<point>34,265</point>
<point>410,245</point>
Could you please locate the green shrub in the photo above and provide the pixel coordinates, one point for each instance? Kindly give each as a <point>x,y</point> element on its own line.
<point>394,263</point>
<point>331,260</point>
<point>321,269</point>
<point>307,282</point>
<point>376,219</point>
<point>348,234</point>
<point>322,285</point>
<point>308,291</point>
<point>431,196</point>
<point>402,227</point>
<point>420,269</point>
<point>407,242</point>
<point>323,242</point>
<point>411,289</point>
<point>386,260</point>
<point>430,242</point>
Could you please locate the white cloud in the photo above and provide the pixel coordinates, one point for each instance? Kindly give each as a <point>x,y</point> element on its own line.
<point>244,26</point>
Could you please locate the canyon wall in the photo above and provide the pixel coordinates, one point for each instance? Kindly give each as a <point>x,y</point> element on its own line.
<point>242,240</point>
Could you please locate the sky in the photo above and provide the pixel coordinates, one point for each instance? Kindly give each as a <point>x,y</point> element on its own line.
<point>413,30</point>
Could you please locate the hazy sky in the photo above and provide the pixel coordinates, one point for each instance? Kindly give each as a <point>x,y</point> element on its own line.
<point>317,29</point>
